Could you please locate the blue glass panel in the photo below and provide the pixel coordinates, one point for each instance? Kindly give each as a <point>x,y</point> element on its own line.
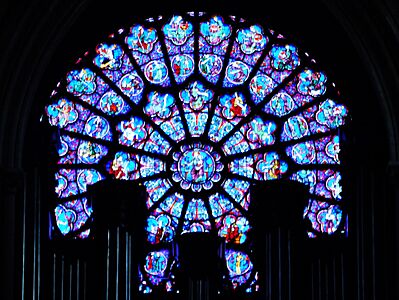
<point>236,188</point>
<point>178,30</point>
<point>200,226</point>
<point>269,166</point>
<point>160,228</point>
<point>150,166</point>
<point>65,114</point>
<point>306,86</point>
<point>213,42</point>
<point>324,183</point>
<point>144,286</point>
<point>98,128</point>
<point>243,167</point>
<point>133,132</point>
<point>233,107</point>
<point>280,62</point>
<point>234,229</point>
<point>156,72</point>
<point>124,166</point>
<point>67,150</point>
<point>197,218</point>
<point>245,53</point>
<point>173,205</point>
<point>180,45</point>
<point>146,49</point>
<point>315,119</point>
<point>141,39</point>
<point>322,151</point>
<point>87,177</point>
<point>157,267</point>
<point>215,30</point>
<point>230,110</point>
<point>132,86</point>
<point>196,97</point>
<point>128,166</point>
<point>239,266</point>
<point>328,184</point>
<point>159,105</point>
<point>72,215</point>
<point>303,153</point>
<point>311,83</point>
<point>81,82</point>
<point>112,104</point>
<point>210,66</point>
<point>157,144</point>
<point>259,132</point>
<point>295,128</point>
<point>137,134</point>
<point>91,153</point>
<point>196,123</point>
<point>196,210</point>
<point>196,167</point>
<point>94,91</point>
<point>237,73</point>
<point>182,66</point>
<point>236,144</point>
<point>328,149</point>
<point>220,205</point>
<point>331,114</point>
<point>233,212</point>
<point>109,57</point>
<point>174,128</point>
<point>156,189</point>
<point>72,182</point>
<point>284,57</point>
<point>75,118</point>
<point>324,217</point>
<point>306,177</point>
<point>280,104</point>
<point>253,135</point>
<point>219,128</point>
<point>260,86</point>
<point>156,263</point>
<point>163,111</point>
<point>250,40</point>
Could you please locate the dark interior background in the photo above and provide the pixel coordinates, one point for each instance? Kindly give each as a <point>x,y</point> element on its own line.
<point>355,42</point>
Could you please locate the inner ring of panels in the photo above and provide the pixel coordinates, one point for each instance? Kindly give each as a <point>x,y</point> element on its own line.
<point>197,107</point>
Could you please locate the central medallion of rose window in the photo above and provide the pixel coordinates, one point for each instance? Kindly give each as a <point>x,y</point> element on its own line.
<point>196,167</point>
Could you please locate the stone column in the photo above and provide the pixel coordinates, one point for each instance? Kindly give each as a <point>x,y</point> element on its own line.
<point>11,184</point>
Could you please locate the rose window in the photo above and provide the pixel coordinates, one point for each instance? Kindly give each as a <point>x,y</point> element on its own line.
<point>197,107</point>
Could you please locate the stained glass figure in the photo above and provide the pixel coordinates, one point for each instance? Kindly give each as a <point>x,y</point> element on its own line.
<point>197,107</point>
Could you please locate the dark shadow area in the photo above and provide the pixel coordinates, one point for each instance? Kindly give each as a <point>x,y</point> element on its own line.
<point>111,256</point>
<point>356,43</point>
<point>202,265</point>
<point>279,239</point>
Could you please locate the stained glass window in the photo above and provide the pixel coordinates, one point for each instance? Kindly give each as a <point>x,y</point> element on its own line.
<point>197,107</point>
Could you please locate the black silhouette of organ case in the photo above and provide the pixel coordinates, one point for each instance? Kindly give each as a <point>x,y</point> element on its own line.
<point>278,203</point>
<point>279,238</point>
<point>119,218</point>
<point>119,203</point>
<point>202,264</point>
